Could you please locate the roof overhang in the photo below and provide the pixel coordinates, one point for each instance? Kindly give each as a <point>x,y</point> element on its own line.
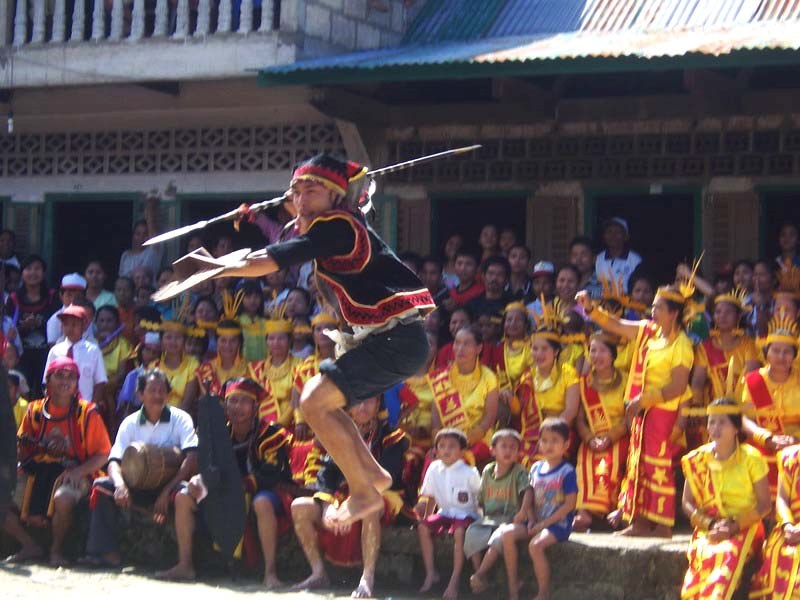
<point>745,45</point>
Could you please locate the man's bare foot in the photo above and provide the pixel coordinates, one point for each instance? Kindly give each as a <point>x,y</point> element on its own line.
<point>582,521</point>
<point>431,579</point>
<point>314,581</point>
<point>358,506</point>
<point>661,531</point>
<point>271,581</point>
<point>364,589</point>
<point>477,584</point>
<point>451,593</point>
<point>177,573</point>
<point>26,553</point>
<point>57,559</point>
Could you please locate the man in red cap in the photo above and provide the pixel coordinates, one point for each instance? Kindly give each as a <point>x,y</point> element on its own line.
<point>86,354</point>
<point>63,444</point>
<point>382,303</point>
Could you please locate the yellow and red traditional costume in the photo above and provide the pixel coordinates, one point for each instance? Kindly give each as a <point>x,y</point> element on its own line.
<point>210,374</point>
<point>779,576</point>
<point>722,489</point>
<point>460,401</point>
<point>600,473</point>
<point>775,407</point>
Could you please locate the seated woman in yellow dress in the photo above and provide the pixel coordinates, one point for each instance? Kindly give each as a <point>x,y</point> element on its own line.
<point>725,497</point>
<point>778,577</point>
<point>547,389</point>
<point>178,365</point>
<point>515,358</point>
<point>657,385</point>
<point>212,374</point>
<point>465,396</point>
<point>603,432</point>
<point>721,360</point>
<point>772,395</point>
<point>278,368</point>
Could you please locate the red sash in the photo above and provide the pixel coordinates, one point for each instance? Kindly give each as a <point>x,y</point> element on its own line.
<point>530,417</point>
<point>766,416</point>
<point>595,412</point>
<point>636,376</point>
<point>447,401</point>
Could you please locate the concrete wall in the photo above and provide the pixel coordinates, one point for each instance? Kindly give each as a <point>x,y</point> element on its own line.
<point>331,25</point>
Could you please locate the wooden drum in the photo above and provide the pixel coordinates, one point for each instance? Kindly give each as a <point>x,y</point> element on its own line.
<point>149,467</point>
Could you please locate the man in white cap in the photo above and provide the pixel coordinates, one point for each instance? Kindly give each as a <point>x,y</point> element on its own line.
<point>73,287</point>
<point>617,260</point>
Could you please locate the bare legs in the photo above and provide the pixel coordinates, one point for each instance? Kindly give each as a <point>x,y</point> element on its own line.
<point>185,509</point>
<point>62,520</point>
<point>307,516</point>
<point>541,567</point>
<point>30,549</point>
<point>267,535</point>
<point>510,535</point>
<point>322,403</point>
<point>426,548</point>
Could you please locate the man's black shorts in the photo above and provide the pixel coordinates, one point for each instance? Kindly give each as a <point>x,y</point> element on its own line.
<point>381,361</point>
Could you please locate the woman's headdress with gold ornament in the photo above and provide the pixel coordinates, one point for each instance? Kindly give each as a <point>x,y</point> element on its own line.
<point>732,407</point>
<point>613,298</point>
<point>326,316</point>
<point>550,323</point>
<point>788,282</point>
<point>277,322</point>
<point>781,329</point>
<point>181,310</point>
<point>737,297</point>
<point>229,323</point>
<point>520,307</point>
<point>685,288</point>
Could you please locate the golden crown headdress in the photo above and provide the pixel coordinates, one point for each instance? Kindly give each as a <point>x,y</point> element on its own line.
<point>230,311</point>
<point>181,310</point>
<point>277,321</point>
<point>737,296</point>
<point>781,329</point>
<point>549,324</point>
<point>788,280</point>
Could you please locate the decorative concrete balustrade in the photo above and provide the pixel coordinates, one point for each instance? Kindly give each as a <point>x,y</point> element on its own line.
<point>81,21</point>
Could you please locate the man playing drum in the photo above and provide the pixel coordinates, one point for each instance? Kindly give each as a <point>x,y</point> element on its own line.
<point>158,425</point>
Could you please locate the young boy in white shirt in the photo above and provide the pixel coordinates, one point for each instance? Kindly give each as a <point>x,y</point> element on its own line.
<point>452,486</point>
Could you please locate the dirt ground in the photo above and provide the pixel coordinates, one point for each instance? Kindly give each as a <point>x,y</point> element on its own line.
<point>38,582</point>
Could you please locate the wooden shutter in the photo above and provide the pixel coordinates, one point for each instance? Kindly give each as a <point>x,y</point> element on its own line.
<point>414,225</point>
<point>552,222</point>
<point>730,228</point>
<point>25,225</point>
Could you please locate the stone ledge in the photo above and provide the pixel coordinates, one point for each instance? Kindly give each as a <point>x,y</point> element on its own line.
<point>596,565</point>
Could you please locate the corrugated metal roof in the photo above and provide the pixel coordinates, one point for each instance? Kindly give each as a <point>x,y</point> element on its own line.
<point>535,36</point>
<point>451,20</point>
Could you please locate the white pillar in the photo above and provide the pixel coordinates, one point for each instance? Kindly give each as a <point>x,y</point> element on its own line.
<point>162,16</point>
<point>203,18</point>
<point>99,20</point>
<point>266,16</point>
<point>117,19</point>
<point>38,22</point>
<point>20,22</point>
<point>182,21</point>
<point>224,18</point>
<point>77,21</point>
<point>246,17</point>
<point>59,21</point>
<point>137,20</point>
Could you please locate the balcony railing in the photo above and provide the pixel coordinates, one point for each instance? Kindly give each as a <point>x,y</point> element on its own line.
<point>47,22</point>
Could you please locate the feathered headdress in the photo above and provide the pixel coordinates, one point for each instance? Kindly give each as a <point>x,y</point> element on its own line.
<point>788,281</point>
<point>229,323</point>
<point>549,325</point>
<point>277,321</point>
<point>181,309</point>
<point>326,316</point>
<point>737,297</point>
<point>613,298</point>
<point>685,287</point>
<point>781,329</point>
